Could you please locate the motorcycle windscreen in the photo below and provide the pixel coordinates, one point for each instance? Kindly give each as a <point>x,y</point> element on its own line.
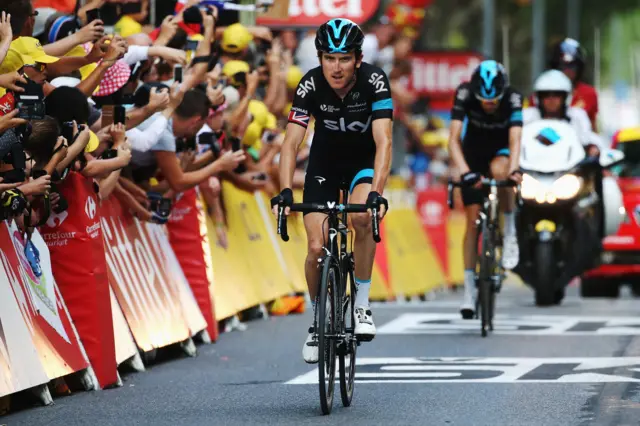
<point>550,146</point>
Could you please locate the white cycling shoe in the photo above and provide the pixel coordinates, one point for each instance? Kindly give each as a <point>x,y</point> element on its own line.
<point>310,348</point>
<point>510,252</point>
<point>468,306</point>
<point>365,328</point>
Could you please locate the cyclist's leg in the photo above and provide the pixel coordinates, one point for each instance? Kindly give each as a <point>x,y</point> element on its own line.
<point>500,171</point>
<point>472,199</point>
<point>478,159</point>
<point>364,252</point>
<point>319,187</point>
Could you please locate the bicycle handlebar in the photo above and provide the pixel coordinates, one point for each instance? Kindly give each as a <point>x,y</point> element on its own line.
<point>328,208</point>
<point>485,183</point>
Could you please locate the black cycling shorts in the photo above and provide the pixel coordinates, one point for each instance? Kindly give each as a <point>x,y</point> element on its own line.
<point>479,159</point>
<point>323,181</point>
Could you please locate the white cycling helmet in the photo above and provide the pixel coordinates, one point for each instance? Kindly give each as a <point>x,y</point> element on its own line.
<point>553,81</point>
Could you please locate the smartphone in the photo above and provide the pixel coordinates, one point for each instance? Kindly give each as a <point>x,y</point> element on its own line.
<point>192,45</point>
<point>177,74</point>
<point>67,131</point>
<point>92,15</point>
<point>31,101</point>
<point>119,115</point>
<point>130,8</point>
<point>109,154</point>
<point>108,112</point>
<point>235,144</point>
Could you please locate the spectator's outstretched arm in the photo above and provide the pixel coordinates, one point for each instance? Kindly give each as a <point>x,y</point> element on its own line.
<point>91,32</point>
<point>180,181</point>
<point>75,149</point>
<point>241,110</point>
<point>96,168</point>
<point>108,184</point>
<point>6,35</point>
<point>126,198</point>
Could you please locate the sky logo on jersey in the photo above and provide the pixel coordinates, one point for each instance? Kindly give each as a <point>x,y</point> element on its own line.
<point>548,136</point>
<point>299,118</point>
<point>355,126</point>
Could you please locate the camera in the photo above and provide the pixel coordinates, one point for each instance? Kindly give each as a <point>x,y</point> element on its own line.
<point>183,145</point>
<point>159,204</point>
<point>108,154</point>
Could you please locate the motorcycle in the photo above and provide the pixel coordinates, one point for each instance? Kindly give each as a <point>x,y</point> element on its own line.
<point>562,217</point>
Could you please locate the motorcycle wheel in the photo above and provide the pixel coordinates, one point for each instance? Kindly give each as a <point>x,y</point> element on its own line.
<point>545,274</point>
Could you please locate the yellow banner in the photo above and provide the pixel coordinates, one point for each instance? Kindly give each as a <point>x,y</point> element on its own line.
<point>414,267</point>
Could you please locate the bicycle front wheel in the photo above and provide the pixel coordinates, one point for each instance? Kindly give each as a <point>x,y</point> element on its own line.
<point>326,327</point>
<point>485,282</point>
<point>348,358</point>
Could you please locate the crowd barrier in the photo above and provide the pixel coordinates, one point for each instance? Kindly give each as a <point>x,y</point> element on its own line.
<point>124,288</point>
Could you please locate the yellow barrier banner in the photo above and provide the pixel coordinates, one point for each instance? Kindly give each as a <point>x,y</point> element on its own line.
<point>232,290</point>
<point>455,235</point>
<point>414,267</point>
<point>258,251</point>
<point>286,251</point>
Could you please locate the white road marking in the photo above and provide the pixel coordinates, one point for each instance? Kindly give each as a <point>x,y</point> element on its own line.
<point>539,325</point>
<point>490,370</point>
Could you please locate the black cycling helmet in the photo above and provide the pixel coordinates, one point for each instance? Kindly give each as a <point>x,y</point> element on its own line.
<point>489,81</point>
<point>568,53</point>
<point>339,36</point>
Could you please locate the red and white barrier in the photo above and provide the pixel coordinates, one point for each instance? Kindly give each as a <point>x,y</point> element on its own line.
<point>38,341</point>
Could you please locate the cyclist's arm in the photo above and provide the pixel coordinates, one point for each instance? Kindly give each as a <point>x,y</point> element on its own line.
<point>382,129</point>
<point>515,130</point>
<point>455,147</point>
<point>458,113</point>
<point>299,116</point>
<point>292,140</point>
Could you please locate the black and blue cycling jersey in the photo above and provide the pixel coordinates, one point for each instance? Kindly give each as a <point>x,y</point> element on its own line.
<point>343,148</point>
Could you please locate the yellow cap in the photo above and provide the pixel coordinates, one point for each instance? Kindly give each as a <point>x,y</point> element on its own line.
<point>30,51</point>
<point>127,26</point>
<point>259,111</point>
<point>252,135</point>
<point>272,122</point>
<point>628,135</point>
<point>294,75</point>
<point>232,68</point>
<point>93,144</point>
<point>236,38</point>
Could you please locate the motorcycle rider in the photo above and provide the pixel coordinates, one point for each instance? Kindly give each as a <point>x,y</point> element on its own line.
<point>569,57</point>
<point>553,96</point>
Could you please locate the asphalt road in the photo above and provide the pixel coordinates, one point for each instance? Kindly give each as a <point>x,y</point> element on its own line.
<point>578,364</point>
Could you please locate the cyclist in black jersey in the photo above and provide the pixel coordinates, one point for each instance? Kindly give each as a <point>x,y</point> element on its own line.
<point>491,148</point>
<point>351,103</point>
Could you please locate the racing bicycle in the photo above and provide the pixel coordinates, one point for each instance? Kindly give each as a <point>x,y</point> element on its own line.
<point>489,271</point>
<point>334,318</point>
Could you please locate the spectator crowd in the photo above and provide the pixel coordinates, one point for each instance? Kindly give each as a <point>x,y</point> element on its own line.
<point>146,113</point>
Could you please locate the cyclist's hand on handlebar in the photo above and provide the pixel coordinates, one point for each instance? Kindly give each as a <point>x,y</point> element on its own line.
<point>284,199</point>
<point>377,201</point>
<point>471,179</point>
<point>516,176</point>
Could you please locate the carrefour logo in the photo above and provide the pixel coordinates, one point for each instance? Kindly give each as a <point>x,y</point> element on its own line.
<point>90,208</point>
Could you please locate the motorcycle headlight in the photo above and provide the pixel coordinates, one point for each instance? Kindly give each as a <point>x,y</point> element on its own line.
<point>530,187</point>
<point>567,187</point>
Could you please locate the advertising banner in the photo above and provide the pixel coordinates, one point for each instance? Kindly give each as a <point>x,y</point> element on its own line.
<point>437,74</point>
<point>186,242</point>
<point>38,342</point>
<point>149,298</point>
<point>313,13</point>
<point>74,238</point>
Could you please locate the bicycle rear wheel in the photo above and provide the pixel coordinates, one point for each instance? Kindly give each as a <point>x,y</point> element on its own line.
<point>348,358</point>
<point>326,328</point>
